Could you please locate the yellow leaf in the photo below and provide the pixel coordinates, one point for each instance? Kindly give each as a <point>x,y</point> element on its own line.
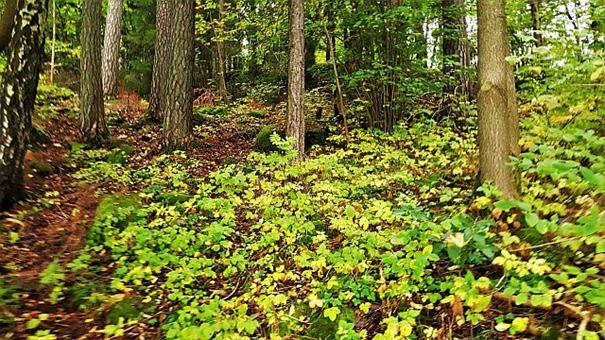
<point>314,301</point>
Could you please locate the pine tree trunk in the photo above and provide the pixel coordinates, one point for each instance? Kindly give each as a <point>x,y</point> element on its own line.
<point>111,47</point>
<point>178,125</point>
<point>498,122</point>
<point>92,111</point>
<point>162,59</point>
<point>6,21</point>
<point>296,77</point>
<point>18,87</point>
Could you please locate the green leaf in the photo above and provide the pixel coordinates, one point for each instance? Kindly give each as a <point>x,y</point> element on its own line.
<point>519,325</point>
<point>33,323</point>
<point>521,299</point>
<point>332,313</point>
<point>505,205</point>
<point>600,248</point>
<point>532,219</point>
<point>543,300</point>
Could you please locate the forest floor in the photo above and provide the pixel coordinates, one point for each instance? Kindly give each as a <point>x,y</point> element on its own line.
<point>52,222</point>
<point>377,235</point>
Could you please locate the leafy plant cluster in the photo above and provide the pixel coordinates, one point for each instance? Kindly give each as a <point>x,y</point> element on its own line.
<point>375,240</point>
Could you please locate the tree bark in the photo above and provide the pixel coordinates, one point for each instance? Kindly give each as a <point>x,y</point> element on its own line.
<point>18,90</point>
<point>92,112</point>
<point>162,59</point>
<point>310,60</point>
<point>534,6</point>
<point>296,78</point>
<point>178,115</point>
<point>7,21</point>
<point>111,47</point>
<point>498,122</point>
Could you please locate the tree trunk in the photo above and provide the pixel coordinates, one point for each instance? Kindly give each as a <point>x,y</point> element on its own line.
<point>178,115</point>
<point>296,78</point>
<point>534,6</point>
<point>111,47</point>
<point>6,22</point>
<point>222,56</point>
<point>92,111</point>
<point>18,87</point>
<point>455,57</point>
<point>53,45</point>
<point>310,60</point>
<point>340,103</point>
<point>162,60</point>
<point>498,124</point>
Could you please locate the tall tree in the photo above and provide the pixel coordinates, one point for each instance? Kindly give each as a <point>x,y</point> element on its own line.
<point>162,59</point>
<point>296,77</point>
<point>18,87</point>
<point>92,108</point>
<point>178,113</point>
<point>498,120</point>
<point>111,47</point>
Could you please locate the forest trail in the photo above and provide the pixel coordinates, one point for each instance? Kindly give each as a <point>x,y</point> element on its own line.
<point>52,223</point>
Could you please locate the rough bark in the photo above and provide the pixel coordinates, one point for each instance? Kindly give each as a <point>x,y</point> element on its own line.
<point>296,78</point>
<point>18,87</point>
<point>178,115</point>
<point>162,59</point>
<point>92,112</point>
<point>498,124</point>
<point>6,22</point>
<point>111,47</point>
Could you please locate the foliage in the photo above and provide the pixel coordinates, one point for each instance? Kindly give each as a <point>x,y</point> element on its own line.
<point>374,235</point>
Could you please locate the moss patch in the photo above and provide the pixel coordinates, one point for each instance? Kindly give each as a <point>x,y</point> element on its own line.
<point>111,203</point>
<point>42,168</point>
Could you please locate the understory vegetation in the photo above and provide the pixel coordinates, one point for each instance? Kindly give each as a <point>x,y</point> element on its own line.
<point>384,236</point>
<point>268,169</point>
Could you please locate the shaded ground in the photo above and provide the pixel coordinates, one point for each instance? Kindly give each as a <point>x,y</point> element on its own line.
<point>52,222</point>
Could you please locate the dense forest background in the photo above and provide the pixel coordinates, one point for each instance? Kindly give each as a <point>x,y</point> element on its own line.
<point>302,169</point>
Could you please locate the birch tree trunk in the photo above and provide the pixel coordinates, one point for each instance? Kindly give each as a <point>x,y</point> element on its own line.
<point>92,112</point>
<point>498,121</point>
<point>18,88</point>
<point>111,47</point>
<point>296,78</point>
<point>162,59</point>
<point>178,115</point>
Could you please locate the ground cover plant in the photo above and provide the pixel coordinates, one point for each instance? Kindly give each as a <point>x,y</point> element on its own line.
<point>302,170</point>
